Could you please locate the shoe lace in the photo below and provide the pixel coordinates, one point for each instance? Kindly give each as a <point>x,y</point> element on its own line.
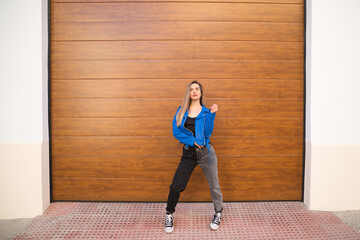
<point>168,221</point>
<point>217,219</point>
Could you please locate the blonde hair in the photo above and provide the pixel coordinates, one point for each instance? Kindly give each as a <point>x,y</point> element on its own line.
<point>187,102</point>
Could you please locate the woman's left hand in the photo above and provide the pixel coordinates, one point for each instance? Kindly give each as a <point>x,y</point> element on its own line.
<point>214,108</point>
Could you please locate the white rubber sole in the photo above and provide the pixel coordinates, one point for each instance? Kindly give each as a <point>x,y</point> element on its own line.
<point>214,227</point>
<point>169,230</point>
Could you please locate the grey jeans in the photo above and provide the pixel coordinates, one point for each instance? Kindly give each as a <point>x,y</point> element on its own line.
<point>193,156</point>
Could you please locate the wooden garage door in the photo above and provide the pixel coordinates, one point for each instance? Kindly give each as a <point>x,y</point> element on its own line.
<point>119,70</point>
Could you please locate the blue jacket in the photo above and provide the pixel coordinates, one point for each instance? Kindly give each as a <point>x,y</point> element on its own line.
<point>204,126</point>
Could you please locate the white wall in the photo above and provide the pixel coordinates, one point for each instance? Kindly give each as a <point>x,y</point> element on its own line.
<point>332,177</point>
<point>24,143</point>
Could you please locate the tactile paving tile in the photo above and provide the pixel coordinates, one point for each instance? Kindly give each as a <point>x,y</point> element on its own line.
<point>241,220</point>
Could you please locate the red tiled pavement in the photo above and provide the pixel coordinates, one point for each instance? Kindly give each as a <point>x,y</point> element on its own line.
<point>241,220</point>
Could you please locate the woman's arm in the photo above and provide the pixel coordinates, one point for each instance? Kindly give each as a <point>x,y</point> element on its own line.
<point>209,120</point>
<point>209,124</point>
<point>183,137</point>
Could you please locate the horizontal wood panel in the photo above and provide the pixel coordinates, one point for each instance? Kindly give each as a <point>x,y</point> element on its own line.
<point>140,50</point>
<point>176,11</point>
<point>153,88</point>
<point>248,145</point>
<point>143,189</point>
<point>230,167</point>
<point>252,1</point>
<point>167,107</point>
<point>176,69</point>
<point>161,126</point>
<point>177,31</point>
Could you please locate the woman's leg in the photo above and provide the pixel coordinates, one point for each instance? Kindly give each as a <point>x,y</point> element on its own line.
<point>181,178</point>
<point>211,173</point>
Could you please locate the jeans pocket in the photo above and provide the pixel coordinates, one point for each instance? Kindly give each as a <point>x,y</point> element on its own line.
<point>185,150</point>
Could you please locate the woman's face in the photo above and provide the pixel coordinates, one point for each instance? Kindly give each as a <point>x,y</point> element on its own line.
<point>195,92</point>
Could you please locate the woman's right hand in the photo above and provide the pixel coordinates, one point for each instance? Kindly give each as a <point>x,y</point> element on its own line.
<point>199,146</point>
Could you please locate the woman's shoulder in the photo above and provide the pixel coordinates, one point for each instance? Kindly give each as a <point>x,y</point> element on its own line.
<point>205,109</point>
<point>178,109</point>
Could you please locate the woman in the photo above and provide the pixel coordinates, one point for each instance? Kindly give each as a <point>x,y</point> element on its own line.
<point>192,125</point>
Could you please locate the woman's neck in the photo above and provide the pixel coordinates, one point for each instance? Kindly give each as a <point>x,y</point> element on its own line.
<point>195,104</point>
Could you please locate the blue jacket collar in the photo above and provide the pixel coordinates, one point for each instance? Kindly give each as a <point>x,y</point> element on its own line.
<point>203,110</point>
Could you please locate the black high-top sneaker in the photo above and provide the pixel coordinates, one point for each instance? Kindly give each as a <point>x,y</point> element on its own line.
<point>215,223</point>
<point>169,223</point>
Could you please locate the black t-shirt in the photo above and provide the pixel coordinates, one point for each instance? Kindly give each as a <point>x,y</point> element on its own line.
<point>190,124</point>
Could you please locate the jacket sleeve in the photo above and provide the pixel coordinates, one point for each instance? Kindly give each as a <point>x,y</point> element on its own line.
<point>186,138</point>
<point>209,124</point>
